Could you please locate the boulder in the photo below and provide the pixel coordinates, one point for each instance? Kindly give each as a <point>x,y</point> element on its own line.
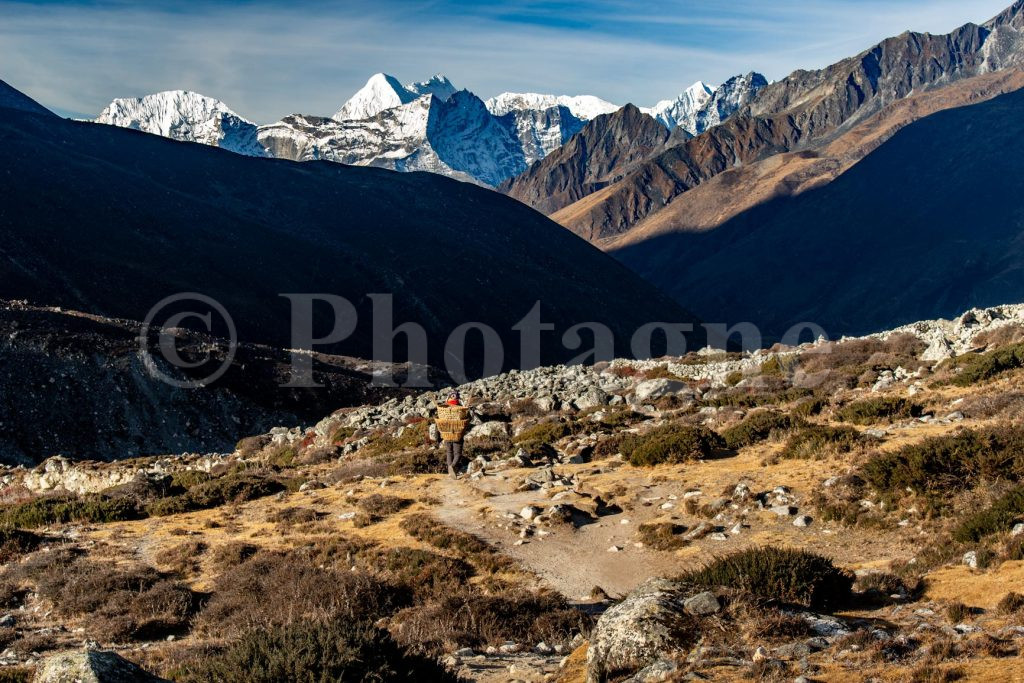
<point>649,624</point>
<point>488,430</point>
<point>91,666</point>
<point>654,389</point>
<point>702,604</point>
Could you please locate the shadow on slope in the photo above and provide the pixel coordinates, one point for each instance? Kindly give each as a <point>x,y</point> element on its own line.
<point>927,226</point>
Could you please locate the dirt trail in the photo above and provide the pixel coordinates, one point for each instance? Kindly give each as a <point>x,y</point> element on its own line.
<point>572,561</point>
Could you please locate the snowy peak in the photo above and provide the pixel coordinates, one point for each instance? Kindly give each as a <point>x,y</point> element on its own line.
<point>682,111</point>
<point>701,107</point>
<point>438,85</point>
<point>380,92</point>
<point>186,116</point>
<point>583,107</point>
<point>383,92</point>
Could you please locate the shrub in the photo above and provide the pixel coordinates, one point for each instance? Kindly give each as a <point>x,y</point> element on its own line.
<point>778,574</point>
<point>182,558</point>
<point>413,436</point>
<point>47,510</point>
<point>377,506</point>
<point>425,574</point>
<point>543,433</point>
<point>230,488</point>
<point>134,602</point>
<point>416,461</point>
<point>15,674</point>
<point>339,650</point>
<point>424,528</point>
<point>957,612</point>
<point>999,516</point>
<point>380,505</point>
<point>976,368</point>
<point>673,443</point>
<point>232,554</point>
<point>470,619</point>
<point>16,542</point>
<point>759,426</point>
<point>814,441</point>
<point>661,535</point>
<point>810,406</point>
<point>280,589</point>
<point>869,410</point>
<point>941,464</point>
<point>1010,603</point>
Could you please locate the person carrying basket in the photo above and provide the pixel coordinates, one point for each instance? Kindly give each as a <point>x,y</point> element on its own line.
<point>452,422</point>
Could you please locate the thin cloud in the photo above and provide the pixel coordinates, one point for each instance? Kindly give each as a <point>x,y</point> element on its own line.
<point>267,60</point>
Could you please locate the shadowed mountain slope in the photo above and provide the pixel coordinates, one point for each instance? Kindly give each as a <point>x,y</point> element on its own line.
<point>928,225</point>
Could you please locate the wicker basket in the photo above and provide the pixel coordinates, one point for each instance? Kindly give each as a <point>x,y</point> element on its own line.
<point>452,422</point>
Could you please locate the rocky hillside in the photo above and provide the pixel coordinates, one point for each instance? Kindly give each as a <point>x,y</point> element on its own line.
<point>129,219</point>
<point>609,147</point>
<point>838,511</point>
<point>78,385</point>
<point>605,150</point>
<point>801,112</point>
<point>891,229</point>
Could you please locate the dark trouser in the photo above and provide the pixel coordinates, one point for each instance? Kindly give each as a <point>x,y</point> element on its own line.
<point>453,449</point>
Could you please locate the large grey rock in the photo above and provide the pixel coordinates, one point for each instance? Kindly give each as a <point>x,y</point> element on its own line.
<point>650,623</point>
<point>654,389</point>
<point>702,604</point>
<point>488,430</point>
<point>91,666</point>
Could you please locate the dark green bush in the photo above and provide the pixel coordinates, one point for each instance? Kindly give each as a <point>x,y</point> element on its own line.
<point>778,574</point>
<point>999,516</point>
<point>16,542</point>
<point>315,652</point>
<point>947,463</point>
<point>672,443</point>
<point>869,410</point>
<point>543,433</point>
<point>976,368</point>
<point>230,488</point>
<point>90,509</point>
<point>810,406</point>
<point>815,441</point>
<point>759,426</point>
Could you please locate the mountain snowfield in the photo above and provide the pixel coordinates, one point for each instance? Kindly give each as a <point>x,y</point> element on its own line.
<point>429,125</point>
<point>186,116</point>
<point>701,106</point>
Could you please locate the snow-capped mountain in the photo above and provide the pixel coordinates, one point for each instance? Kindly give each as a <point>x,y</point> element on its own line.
<point>456,137</point>
<point>729,98</point>
<point>682,111</point>
<point>383,92</point>
<point>701,107</point>
<point>187,116</point>
<point>422,126</point>
<point>584,107</point>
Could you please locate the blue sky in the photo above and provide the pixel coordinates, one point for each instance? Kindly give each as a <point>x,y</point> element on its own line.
<point>268,59</point>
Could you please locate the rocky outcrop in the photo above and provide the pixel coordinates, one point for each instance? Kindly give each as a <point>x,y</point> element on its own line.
<point>804,110</point>
<point>652,621</point>
<point>91,666</point>
<point>602,152</point>
<point>77,385</point>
